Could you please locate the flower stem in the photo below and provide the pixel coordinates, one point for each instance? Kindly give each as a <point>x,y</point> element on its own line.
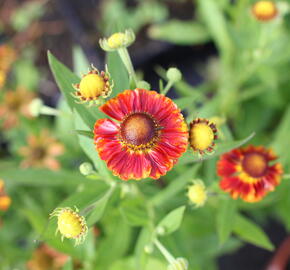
<point>123,52</point>
<point>48,110</point>
<point>286,176</point>
<point>164,252</point>
<point>167,88</point>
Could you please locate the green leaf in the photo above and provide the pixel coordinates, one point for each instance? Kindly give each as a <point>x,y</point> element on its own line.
<point>65,80</point>
<point>221,148</point>
<point>180,32</point>
<point>175,187</point>
<point>216,23</point>
<point>80,62</point>
<point>134,212</point>
<point>99,208</point>
<point>118,73</point>
<point>225,219</point>
<point>85,133</point>
<point>144,238</point>
<point>252,233</point>
<point>88,147</point>
<point>173,220</point>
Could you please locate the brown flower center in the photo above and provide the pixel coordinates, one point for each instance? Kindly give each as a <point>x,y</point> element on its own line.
<point>138,129</point>
<point>255,164</point>
<point>38,153</point>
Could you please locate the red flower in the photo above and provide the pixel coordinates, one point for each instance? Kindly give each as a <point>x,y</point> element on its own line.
<point>149,138</point>
<point>249,172</point>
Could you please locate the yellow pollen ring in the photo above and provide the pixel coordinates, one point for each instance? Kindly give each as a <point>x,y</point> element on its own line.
<point>69,224</point>
<point>201,136</point>
<point>116,40</point>
<point>92,86</point>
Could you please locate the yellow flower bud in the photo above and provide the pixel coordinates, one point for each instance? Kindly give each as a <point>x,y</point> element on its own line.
<point>70,224</point>
<point>202,135</point>
<point>197,193</point>
<point>264,10</point>
<point>118,40</point>
<point>92,86</point>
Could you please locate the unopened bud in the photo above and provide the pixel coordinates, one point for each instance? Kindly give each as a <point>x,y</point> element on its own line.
<point>160,230</point>
<point>86,168</point>
<point>143,85</point>
<point>35,107</point>
<point>174,75</point>
<point>178,264</point>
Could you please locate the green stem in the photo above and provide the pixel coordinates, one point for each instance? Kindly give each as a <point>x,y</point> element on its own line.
<point>286,176</point>
<point>164,252</point>
<point>123,52</point>
<point>167,87</point>
<point>49,111</point>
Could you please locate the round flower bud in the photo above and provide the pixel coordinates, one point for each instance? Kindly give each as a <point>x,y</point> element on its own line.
<point>70,224</point>
<point>143,85</point>
<point>86,168</point>
<point>264,10</point>
<point>174,75</point>
<point>197,193</point>
<point>178,264</point>
<point>149,248</point>
<point>118,40</point>
<point>202,135</point>
<point>35,107</point>
<point>93,86</point>
<point>160,230</point>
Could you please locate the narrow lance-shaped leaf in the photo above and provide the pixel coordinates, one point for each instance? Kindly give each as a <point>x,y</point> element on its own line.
<point>173,220</point>
<point>252,233</point>
<point>226,214</point>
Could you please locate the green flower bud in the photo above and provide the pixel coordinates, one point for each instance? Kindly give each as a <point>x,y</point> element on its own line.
<point>178,264</point>
<point>174,75</point>
<point>35,107</point>
<point>86,168</point>
<point>143,85</point>
<point>160,230</point>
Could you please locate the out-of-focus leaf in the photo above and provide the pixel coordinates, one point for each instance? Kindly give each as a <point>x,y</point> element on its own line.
<point>145,238</point>
<point>26,14</point>
<point>68,265</point>
<point>281,142</point>
<point>42,178</point>
<point>175,187</point>
<point>65,79</point>
<point>118,73</point>
<point>215,21</point>
<point>252,233</point>
<point>81,64</point>
<point>99,208</point>
<point>173,220</point>
<point>221,148</point>
<point>134,212</point>
<point>88,146</point>
<point>180,32</point>
<point>225,219</point>
<point>27,75</point>
<point>85,133</point>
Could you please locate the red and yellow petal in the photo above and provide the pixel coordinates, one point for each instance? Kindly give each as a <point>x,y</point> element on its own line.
<point>239,182</point>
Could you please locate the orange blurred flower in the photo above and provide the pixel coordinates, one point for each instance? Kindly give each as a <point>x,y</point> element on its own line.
<point>41,151</point>
<point>265,10</point>
<point>15,103</point>
<point>5,200</point>
<point>249,173</point>
<point>7,57</point>
<point>47,258</point>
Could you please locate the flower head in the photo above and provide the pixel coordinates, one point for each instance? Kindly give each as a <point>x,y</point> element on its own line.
<point>5,200</point>
<point>47,258</point>
<point>14,104</point>
<point>70,224</point>
<point>148,139</point>
<point>197,193</point>
<point>7,57</point>
<point>118,40</point>
<point>41,151</point>
<point>264,10</point>
<point>93,86</point>
<point>249,172</point>
<point>202,135</point>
